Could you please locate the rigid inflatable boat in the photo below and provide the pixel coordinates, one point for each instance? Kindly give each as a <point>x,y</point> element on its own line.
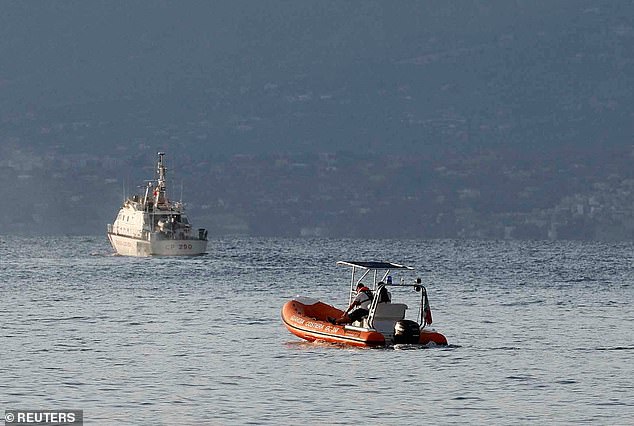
<point>386,323</point>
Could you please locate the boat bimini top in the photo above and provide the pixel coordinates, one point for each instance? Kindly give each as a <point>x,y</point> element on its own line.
<point>380,272</point>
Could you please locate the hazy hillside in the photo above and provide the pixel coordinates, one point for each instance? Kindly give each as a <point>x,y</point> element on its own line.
<point>285,75</point>
<point>448,83</point>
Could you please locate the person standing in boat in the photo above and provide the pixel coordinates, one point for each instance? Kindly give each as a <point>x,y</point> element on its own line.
<point>358,309</point>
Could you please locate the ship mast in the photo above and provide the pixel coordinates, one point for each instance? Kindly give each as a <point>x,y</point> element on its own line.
<point>160,195</point>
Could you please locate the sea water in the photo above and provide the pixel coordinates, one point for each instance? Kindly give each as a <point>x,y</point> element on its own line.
<point>539,332</point>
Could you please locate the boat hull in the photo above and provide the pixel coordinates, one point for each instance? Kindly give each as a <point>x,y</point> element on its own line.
<point>128,246</point>
<point>432,336</point>
<point>308,319</point>
<point>310,322</point>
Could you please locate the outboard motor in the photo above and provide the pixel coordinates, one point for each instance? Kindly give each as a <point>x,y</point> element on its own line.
<point>406,331</point>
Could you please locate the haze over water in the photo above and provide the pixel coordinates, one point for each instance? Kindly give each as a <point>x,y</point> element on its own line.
<point>539,332</point>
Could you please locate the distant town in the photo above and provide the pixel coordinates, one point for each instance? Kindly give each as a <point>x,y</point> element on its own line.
<point>479,195</point>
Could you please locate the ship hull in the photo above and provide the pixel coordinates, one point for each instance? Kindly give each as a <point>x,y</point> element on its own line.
<point>128,246</point>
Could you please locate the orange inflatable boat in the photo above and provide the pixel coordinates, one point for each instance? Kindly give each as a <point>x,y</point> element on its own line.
<point>385,324</point>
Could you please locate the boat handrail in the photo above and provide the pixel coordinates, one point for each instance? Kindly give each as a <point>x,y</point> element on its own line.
<point>375,301</point>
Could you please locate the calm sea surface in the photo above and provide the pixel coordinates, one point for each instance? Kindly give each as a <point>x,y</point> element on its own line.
<point>539,332</point>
